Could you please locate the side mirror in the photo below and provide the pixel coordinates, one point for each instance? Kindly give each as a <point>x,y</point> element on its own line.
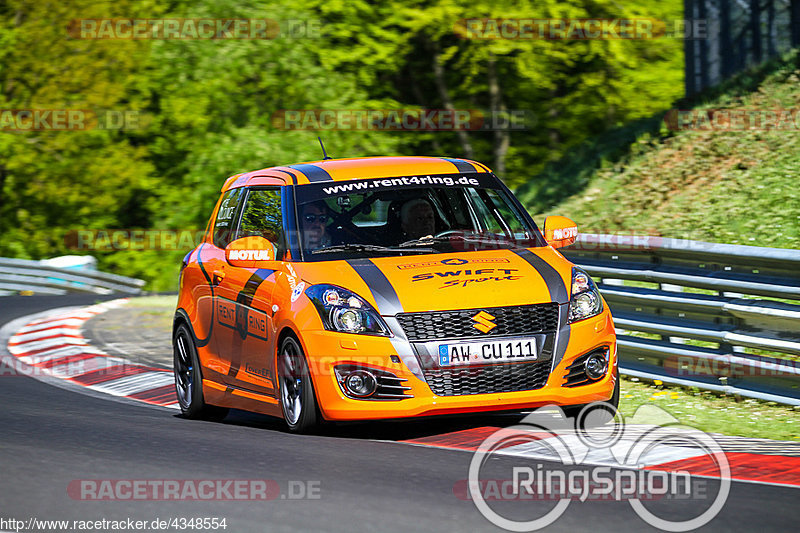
<point>249,252</point>
<point>560,231</point>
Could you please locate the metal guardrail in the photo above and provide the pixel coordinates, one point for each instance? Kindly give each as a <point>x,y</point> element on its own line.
<point>698,313</point>
<point>24,275</point>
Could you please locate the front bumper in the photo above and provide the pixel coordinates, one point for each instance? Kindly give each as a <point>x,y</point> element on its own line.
<point>325,350</point>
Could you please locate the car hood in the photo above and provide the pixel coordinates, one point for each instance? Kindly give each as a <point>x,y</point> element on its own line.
<point>463,280</point>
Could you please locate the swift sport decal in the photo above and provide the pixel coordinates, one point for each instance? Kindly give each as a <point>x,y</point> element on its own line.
<point>465,272</point>
<point>470,281</point>
<point>468,276</point>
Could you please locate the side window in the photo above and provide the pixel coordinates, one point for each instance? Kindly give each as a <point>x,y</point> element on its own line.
<point>223,226</point>
<point>496,215</point>
<point>510,216</point>
<point>262,217</point>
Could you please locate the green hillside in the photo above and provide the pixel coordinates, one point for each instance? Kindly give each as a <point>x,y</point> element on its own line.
<point>738,187</point>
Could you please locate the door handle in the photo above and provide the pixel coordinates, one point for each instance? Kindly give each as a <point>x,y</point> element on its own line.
<point>219,275</point>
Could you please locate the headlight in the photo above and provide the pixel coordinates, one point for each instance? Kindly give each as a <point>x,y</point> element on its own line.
<point>345,311</point>
<point>585,301</point>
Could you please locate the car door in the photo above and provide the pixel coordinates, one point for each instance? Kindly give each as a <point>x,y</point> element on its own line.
<point>244,298</point>
<point>213,266</point>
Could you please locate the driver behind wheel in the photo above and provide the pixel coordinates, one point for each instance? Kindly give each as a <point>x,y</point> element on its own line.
<point>417,219</point>
<point>313,218</point>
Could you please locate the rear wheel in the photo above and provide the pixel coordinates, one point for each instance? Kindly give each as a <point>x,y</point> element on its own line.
<point>188,379</point>
<point>298,401</point>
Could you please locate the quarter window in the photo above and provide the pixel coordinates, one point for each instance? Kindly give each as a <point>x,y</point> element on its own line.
<point>224,224</point>
<point>262,217</point>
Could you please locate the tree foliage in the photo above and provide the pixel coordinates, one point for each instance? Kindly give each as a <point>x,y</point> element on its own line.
<point>206,106</point>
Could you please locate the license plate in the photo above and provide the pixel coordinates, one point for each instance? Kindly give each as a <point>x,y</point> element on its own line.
<point>487,352</point>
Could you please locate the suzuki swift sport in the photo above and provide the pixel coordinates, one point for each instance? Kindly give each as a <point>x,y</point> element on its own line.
<point>386,287</point>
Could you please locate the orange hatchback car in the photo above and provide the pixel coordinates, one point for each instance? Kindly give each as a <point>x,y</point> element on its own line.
<point>386,287</point>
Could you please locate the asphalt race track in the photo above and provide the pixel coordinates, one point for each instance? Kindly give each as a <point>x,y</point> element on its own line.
<point>359,478</point>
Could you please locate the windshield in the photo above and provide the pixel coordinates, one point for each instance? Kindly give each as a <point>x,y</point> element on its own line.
<point>409,215</point>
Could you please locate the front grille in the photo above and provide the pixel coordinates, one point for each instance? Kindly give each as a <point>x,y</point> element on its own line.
<point>488,379</point>
<point>517,320</point>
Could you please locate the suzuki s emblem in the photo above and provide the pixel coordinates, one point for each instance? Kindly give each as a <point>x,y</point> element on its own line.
<point>483,322</point>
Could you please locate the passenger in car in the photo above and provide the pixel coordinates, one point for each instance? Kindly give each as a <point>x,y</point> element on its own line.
<point>417,219</point>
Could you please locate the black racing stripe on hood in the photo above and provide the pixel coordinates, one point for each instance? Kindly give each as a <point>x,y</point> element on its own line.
<point>462,166</point>
<point>564,331</point>
<point>555,284</point>
<point>313,172</point>
<point>382,290</point>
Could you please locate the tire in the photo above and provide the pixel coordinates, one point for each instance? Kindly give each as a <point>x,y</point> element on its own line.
<point>608,408</point>
<point>189,380</point>
<point>298,402</point>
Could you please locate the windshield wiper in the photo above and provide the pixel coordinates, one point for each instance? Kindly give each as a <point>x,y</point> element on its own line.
<point>476,239</point>
<point>368,248</point>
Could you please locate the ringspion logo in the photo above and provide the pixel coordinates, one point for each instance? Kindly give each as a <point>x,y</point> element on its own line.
<point>593,462</point>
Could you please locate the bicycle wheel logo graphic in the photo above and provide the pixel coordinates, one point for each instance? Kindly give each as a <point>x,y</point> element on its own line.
<point>607,462</point>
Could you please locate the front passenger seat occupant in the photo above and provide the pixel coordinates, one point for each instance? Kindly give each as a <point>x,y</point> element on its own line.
<point>417,219</point>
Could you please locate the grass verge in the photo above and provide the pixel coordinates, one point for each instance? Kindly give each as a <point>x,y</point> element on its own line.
<point>711,412</point>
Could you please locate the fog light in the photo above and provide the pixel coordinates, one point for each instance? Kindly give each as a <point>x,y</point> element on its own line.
<point>360,383</point>
<point>595,366</point>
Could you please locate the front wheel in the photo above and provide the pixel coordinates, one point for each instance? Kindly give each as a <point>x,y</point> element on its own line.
<point>298,401</point>
<point>188,379</point>
<point>596,413</point>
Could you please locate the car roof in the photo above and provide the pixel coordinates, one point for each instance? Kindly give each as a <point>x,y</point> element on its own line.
<point>355,169</point>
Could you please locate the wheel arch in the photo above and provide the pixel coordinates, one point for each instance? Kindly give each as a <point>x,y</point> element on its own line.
<point>182,317</point>
<point>288,330</point>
